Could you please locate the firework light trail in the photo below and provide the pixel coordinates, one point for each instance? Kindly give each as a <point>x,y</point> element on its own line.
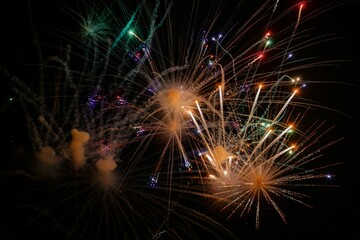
<point>141,114</point>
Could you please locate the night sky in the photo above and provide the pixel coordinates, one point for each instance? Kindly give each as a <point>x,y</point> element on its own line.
<point>335,213</point>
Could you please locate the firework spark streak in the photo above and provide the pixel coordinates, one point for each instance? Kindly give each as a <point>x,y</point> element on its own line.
<point>141,114</point>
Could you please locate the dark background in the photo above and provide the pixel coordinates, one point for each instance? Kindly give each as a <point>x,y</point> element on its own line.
<point>335,213</point>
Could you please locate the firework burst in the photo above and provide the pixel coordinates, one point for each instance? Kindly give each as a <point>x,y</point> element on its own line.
<point>251,159</point>
<point>141,114</point>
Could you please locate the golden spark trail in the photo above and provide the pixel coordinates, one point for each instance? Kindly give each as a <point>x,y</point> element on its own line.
<point>283,108</point>
<point>272,143</point>
<point>250,116</point>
